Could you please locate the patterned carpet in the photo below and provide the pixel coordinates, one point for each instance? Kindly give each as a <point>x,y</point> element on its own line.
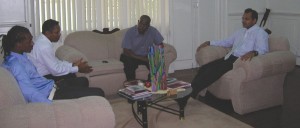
<point>197,115</point>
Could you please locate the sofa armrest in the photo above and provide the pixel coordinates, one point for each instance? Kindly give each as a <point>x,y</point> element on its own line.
<point>209,54</point>
<point>170,55</point>
<point>266,65</point>
<point>70,54</point>
<point>86,112</point>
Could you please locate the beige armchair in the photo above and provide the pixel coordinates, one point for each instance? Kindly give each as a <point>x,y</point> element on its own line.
<point>86,112</point>
<point>252,85</point>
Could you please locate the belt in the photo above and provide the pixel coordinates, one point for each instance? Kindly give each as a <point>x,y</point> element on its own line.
<point>50,97</point>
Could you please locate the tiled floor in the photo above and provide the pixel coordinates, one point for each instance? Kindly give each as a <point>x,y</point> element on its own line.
<point>285,116</point>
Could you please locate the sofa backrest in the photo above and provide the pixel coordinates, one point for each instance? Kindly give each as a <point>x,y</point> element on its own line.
<point>96,46</point>
<point>10,94</point>
<point>117,46</point>
<point>91,44</point>
<point>278,43</point>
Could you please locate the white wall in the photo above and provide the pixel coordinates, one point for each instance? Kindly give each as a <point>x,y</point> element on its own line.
<point>285,21</point>
<point>236,10</point>
<point>191,22</point>
<point>289,6</point>
<point>181,32</point>
<point>14,12</point>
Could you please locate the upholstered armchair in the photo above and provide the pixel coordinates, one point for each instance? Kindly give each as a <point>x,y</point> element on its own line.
<point>86,112</point>
<point>252,85</point>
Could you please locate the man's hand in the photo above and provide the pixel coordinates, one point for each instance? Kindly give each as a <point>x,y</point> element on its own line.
<point>248,56</point>
<point>83,66</point>
<point>206,43</point>
<point>131,54</point>
<point>76,63</point>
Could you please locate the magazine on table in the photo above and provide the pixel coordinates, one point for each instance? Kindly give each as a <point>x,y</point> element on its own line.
<point>131,95</point>
<point>133,83</point>
<point>136,88</point>
<point>171,80</point>
<point>179,84</point>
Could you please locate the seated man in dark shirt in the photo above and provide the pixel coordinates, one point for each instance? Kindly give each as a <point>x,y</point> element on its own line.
<point>135,46</point>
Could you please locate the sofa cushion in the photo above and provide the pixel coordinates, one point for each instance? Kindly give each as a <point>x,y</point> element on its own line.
<point>278,43</point>
<point>106,66</point>
<point>93,45</point>
<point>117,49</point>
<point>70,53</point>
<point>10,93</point>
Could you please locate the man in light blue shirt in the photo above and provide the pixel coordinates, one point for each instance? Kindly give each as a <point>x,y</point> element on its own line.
<point>246,43</point>
<point>34,87</point>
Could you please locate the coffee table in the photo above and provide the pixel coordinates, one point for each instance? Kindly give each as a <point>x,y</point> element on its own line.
<point>153,102</point>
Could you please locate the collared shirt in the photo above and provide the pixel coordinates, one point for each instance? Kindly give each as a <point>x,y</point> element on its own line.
<point>252,39</point>
<point>34,87</point>
<point>44,59</point>
<point>139,43</point>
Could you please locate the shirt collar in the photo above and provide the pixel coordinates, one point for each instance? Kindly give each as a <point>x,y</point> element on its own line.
<point>17,54</point>
<point>45,38</point>
<point>137,32</point>
<point>254,27</point>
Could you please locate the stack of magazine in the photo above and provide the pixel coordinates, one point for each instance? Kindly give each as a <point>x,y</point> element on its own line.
<point>174,83</point>
<point>135,92</point>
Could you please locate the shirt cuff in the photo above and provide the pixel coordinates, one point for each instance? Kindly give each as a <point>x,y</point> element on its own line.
<point>74,69</point>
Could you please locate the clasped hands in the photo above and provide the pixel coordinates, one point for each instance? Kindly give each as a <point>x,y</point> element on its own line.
<point>83,66</point>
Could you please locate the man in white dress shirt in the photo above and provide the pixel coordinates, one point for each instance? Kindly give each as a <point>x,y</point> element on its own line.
<point>49,66</point>
<point>246,43</point>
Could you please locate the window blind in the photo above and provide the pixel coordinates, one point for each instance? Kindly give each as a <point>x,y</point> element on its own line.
<point>76,15</point>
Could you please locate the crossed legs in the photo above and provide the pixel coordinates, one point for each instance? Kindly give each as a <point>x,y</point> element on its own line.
<point>211,72</point>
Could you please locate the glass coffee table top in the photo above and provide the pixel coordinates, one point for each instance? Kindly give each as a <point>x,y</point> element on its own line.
<point>180,94</point>
<point>153,101</point>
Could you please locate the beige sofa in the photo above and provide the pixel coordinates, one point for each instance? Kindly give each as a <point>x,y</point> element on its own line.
<point>96,48</point>
<point>255,84</point>
<point>86,112</point>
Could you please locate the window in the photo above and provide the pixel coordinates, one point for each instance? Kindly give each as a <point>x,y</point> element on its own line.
<point>76,15</point>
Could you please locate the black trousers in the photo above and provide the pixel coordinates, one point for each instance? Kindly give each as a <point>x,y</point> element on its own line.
<point>69,86</point>
<point>211,72</point>
<point>130,65</point>
<point>69,81</point>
